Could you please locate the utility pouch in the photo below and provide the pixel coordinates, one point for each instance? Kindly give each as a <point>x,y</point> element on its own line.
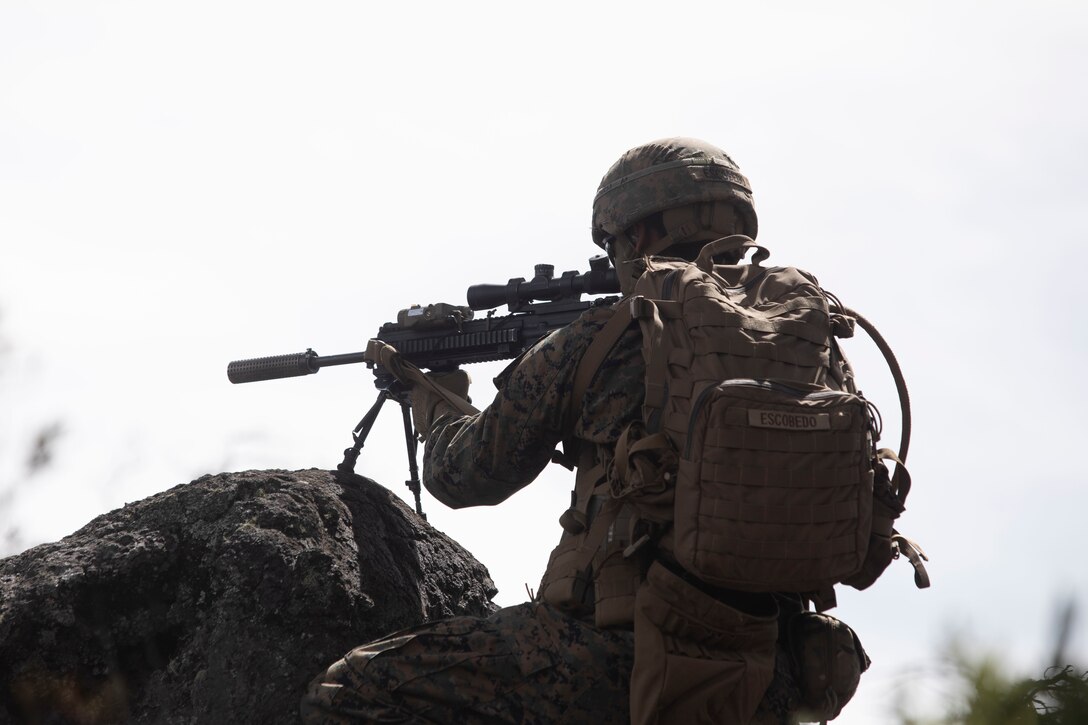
<point>879,556</point>
<point>642,473</point>
<point>566,582</point>
<point>615,583</point>
<point>828,660</point>
<point>697,659</point>
<point>774,491</point>
<point>887,507</point>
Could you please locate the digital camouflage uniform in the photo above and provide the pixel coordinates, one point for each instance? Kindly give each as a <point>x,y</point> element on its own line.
<point>529,663</point>
<point>487,458</point>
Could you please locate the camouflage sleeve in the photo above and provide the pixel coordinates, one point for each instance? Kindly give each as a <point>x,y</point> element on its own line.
<point>485,458</point>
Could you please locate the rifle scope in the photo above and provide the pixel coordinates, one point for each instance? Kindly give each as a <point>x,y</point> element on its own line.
<point>600,279</point>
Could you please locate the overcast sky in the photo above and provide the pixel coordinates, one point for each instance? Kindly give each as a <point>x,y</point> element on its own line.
<point>186,184</point>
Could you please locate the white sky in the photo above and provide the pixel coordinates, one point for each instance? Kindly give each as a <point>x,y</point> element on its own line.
<point>186,184</point>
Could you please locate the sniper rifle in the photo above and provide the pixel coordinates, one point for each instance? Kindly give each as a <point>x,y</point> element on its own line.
<point>441,337</point>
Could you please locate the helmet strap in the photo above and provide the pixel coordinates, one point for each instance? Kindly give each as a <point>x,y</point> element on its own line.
<point>628,260</point>
<point>657,247</point>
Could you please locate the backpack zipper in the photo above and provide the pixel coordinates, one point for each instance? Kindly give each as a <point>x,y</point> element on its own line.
<point>668,284</point>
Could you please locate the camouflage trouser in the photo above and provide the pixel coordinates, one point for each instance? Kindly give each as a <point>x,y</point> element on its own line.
<point>524,664</point>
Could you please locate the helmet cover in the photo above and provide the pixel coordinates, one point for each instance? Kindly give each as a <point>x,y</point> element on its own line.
<point>665,174</point>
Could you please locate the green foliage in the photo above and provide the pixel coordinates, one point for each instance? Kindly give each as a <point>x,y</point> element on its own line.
<point>1062,698</point>
<point>982,694</point>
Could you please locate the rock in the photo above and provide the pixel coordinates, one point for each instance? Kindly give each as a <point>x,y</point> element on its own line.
<point>218,600</point>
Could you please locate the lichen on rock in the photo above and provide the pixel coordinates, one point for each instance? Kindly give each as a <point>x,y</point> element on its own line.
<point>218,600</point>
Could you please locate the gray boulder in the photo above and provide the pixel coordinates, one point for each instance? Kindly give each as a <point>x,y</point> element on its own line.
<point>218,600</point>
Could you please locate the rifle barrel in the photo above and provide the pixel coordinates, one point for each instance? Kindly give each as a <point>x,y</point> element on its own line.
<point>286,366</point>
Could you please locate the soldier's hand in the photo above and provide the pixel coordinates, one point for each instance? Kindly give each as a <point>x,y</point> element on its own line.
<point>428,406</point>
<point>432,394</point>
<point>385,355</point>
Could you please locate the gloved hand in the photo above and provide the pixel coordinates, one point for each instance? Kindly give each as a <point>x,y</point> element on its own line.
<point>428,405</point>
<point>432,394</point>
<point>385,355</point>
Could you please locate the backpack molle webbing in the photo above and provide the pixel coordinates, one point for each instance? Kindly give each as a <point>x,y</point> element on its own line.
<point>774,491</point>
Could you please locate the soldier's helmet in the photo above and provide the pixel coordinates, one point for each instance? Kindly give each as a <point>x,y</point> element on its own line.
<point>665,174</point>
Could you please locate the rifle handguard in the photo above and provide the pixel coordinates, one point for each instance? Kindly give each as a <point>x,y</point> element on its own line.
<point>385,355</point>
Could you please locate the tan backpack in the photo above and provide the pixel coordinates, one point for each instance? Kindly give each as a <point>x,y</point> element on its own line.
<point>756,455</point>
<point>775,481</point>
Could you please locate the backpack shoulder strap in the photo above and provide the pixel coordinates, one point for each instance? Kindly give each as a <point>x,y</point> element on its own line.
<point>591,362</point>
<point>598,350</point>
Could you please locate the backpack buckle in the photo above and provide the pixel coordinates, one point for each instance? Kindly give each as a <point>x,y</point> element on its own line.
<point>901,545</point>
<point>842,326</point>
<point>641,308</point>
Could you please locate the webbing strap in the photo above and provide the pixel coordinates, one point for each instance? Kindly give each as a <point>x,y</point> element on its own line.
<point>787,550</point>
<point>797,303</point>
<point>622,453</point>
<point>598,530</point>
<point>763,477</point>
<point>620,487</point>
<point>590,473</point>
<point>806,357</point>
<point>648,314</point>
<point>765,309</point>
<point>591,362</point>
<point>736,512</point>
<point>901,480</point>
<point>666,309</point>
<point>748,439</point>
<point>914,553</point>
<point>732,243</point>
<point>589,479</point>
<point>794,328</point>
<point>657,363</point>
<point>595,354</point>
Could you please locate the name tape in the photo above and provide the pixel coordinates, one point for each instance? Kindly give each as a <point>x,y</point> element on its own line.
<point>784,420</point>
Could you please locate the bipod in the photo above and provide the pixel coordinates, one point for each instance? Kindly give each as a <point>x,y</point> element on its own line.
<point>389,388</point>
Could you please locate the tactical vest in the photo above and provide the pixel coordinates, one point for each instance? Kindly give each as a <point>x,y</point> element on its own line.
<point>755,466</point>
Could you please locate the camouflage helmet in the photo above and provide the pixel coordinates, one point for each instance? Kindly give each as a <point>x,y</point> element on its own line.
<point>665,174</point>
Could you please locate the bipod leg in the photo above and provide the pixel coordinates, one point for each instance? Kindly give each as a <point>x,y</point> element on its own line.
<point>351,455</point>
<point>413,445</point>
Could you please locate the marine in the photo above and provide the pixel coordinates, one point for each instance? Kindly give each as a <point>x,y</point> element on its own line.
<point>706,653</point>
